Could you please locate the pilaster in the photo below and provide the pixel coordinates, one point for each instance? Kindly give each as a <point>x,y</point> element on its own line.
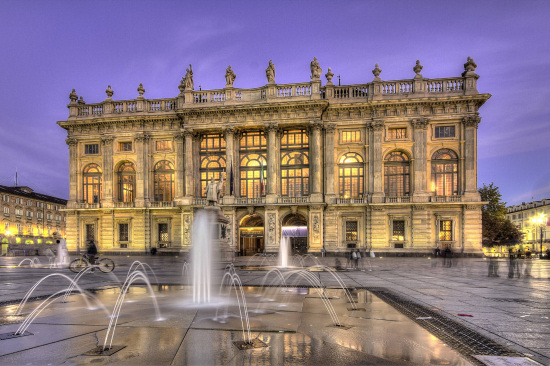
<point>377,128</point>
<point>272,228</point>
<point>180,164</point>
<point>315,162</point>
<point>108,169</point>
<point>329,163</point>
<point>188,158</point>
<point>73,174</point>
<point>470,157</point>
<point>420,160</point>
<point>273,155</point>
<point>315,228</point>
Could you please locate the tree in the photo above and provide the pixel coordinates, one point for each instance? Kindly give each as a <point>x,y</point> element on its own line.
<point>496,229</point>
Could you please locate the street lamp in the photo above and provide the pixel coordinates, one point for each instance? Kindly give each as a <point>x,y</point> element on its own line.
<point>539,222</point>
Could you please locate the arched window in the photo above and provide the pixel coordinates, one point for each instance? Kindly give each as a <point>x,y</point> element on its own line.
<point>91,181</point>
<point>253,166</point>
<point>212,155</point>
<point>445,173</point>
<point>351,175</point>
<point>164,181</point>
<point>396,174</point>
<point>126,175</point>
<point>295,163</point>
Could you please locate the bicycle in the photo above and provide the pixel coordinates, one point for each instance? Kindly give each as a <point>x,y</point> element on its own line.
<point>105,265</point>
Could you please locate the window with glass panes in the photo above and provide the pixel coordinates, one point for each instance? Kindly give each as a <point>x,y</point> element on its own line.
<point>397,133</point>
<point>398,230</point>
<point>444,131</point>
<point>351,176</point>
<point>445,230</point>
<point>396,174</point>
<point>253,164</point>
<point>351,230</point>
<point>445,172</point>
<point>125,146</point>
<point>163,232</point>
<point>351,136</point>
<point>126,182</point>
<point>164,145</point>
<point>295,163</point>
<point>163,179</point>
<point>91,184</point>
<point>91,149</point>
<point>212,155</point>
<point>123,232</point>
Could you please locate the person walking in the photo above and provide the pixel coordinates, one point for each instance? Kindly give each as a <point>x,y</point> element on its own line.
<point>354,259</point>
<point>357,258</point>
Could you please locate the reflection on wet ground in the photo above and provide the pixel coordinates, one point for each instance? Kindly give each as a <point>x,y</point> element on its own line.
<point>293,322</point>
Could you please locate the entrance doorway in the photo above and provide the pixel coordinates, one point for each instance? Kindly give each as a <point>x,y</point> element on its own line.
<point>251,237</point>
<point>295,228</point>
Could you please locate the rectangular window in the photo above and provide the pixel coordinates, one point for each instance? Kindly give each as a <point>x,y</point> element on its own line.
<point>29,203</point>
<point>163,232</point>
<point>40,204</point>
<point>19,228</point>
<point>57,218</point>
<point>30,214</point>
<point>351,230</point>
<point>18,200</point>
<point>6,210</point>
<point>398,230</point>
<point>123,232</point>
<point>397,133</point>
<point>40,215</point>
<point>351,136</point>
<point>90,231</point>
<point>445,230</point>
<point>49,217</point>
<point>18,212</point>
<point>5,198</point>
<point>29,229</point>
<point>91,149</point>
<point>6,226</point>
<point>164,145</point>
<point>125,146</point>
<point>444,131</point>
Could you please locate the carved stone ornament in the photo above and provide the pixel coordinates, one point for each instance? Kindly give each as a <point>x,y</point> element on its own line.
<point>471,121</point>
<point>377,125</point>
<point>250,210</point>
<point>179,135</point>
<point>330,127</point>
<point>271,127</point>
<point>316,70</point>
<point>187,132</point>
<point>469,67</point>
<point>420,123</point>
<point>71,141</point>
<point>417,69</point>
<point>294,209</point>
<point>329,76</point>
<point>109,92</point>
<point>376,72</point>
<point>316,125</point>
<point>181,87</point>
<point>81,100</point>
<point>141,90</point>
<point>142,137</point>
<point>73,97</point>
<point>107,140</point>
<point>228,131</point>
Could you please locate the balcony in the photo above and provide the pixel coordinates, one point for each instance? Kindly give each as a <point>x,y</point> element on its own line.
<point>250,201</point>
<point>398,199</point>
<point>301,199</point>
<point>445,199</point>
<point>162,204</point>
<point>87,206</point>
<point>351,201</point>
<point>125,204</point>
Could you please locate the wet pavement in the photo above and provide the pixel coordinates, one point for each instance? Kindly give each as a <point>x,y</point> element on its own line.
<point>512,313</point>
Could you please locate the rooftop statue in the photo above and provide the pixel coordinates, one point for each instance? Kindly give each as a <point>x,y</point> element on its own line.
<point>270,73</point>
<point>229,76</point>
<point>315,69</point>
<point>188,79</point>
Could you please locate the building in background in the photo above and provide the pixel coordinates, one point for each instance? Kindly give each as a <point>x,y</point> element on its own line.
<point>533,219</point>
<point>30,220</point>
<point>387,165</point>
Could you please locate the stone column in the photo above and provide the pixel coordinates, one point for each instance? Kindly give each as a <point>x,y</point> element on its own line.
<point>420,160</point>
<point>315,162</point>
<point>197,164</point>
<point>273,155</point>
<point>180,163</point>
<point>73,173</point>
<point>108,170</point>
<point>329,163</point>
<point>188,158</point>
<point>470,158</point>
<point>230,161</point>
<point>377,128</point>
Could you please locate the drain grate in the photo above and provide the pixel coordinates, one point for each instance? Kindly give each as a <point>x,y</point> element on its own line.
<point>462,339</point>
<point>521,301</point>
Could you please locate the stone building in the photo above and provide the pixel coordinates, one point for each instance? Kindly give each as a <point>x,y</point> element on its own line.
<point>533,218</point>
<point>388,165</point>
<point>31,220</point>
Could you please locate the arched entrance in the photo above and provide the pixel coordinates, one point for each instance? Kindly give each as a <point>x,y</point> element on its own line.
<point>295,228</point>
<point>251,235</point>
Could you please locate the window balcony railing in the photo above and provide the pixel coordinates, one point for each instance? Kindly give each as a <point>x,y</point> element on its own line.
<point>446,199</point>
<point>86,205</point>
<point>301,199</point>
<point>397,199</point>
<point>351,201</point>
<point>125,204</point>
<point>199,201</point>
<point>250,200</point>
<point>158,204</point>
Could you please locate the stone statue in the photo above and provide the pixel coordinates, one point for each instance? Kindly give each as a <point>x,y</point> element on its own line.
<point>315,69</point>
<point>213,191</point>
<point>270,72</point>
<point>188,79</point>
<point>229,76</point>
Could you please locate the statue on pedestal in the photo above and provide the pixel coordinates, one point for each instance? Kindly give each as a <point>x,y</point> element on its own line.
<point>270,72</point>
<point>188,79</point>
<point>315,69</point>
<point>214,191</point>
<point>229,76</point>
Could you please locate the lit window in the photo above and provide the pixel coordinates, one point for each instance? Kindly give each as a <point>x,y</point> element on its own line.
<point>253,169</point>
<point>445,230</point>
<point>397,133</point>
<point>125,146</point>
<point>396,174</point>
<point>444,132</point>
<point>295,163</point>
<point>91,184</point>
<point>351,175</point>
<point>351,136</point>
<point>163,181</point>
<point>123,234</point>
<point>163,233</point>
<point>126,175</point>
<point>398,230</point>
<point>351,230</point>
<point>212,155</point>
<point>164,145</point>
<point>445,173</point>
<point>91,149</point>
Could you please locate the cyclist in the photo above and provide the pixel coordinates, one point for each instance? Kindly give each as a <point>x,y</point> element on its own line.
<point>91,251</point>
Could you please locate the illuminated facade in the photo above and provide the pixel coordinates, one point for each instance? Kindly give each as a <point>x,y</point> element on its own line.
<point>533,218</point>
<point>30,220</point>
<point>390,165</point>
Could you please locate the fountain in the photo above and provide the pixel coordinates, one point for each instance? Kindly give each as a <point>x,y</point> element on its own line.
<point>284,252</point>
<point>63,259</point>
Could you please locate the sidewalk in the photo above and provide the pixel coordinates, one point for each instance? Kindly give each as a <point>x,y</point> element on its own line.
<point>513,312</point>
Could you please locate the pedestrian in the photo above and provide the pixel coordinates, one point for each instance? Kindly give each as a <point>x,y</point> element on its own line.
<point>353,258</point>
<point>153,250</point>
<point>91,251</point>
<point>357,258</point>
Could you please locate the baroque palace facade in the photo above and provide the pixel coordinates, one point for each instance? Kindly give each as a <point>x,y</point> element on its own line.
<point>387,165</point>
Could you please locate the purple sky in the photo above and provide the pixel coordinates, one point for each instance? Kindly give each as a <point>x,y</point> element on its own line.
<point>50,47</point>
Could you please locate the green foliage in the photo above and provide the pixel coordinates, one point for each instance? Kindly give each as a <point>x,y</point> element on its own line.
<point>496,229</point>
<point>491,195</point>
